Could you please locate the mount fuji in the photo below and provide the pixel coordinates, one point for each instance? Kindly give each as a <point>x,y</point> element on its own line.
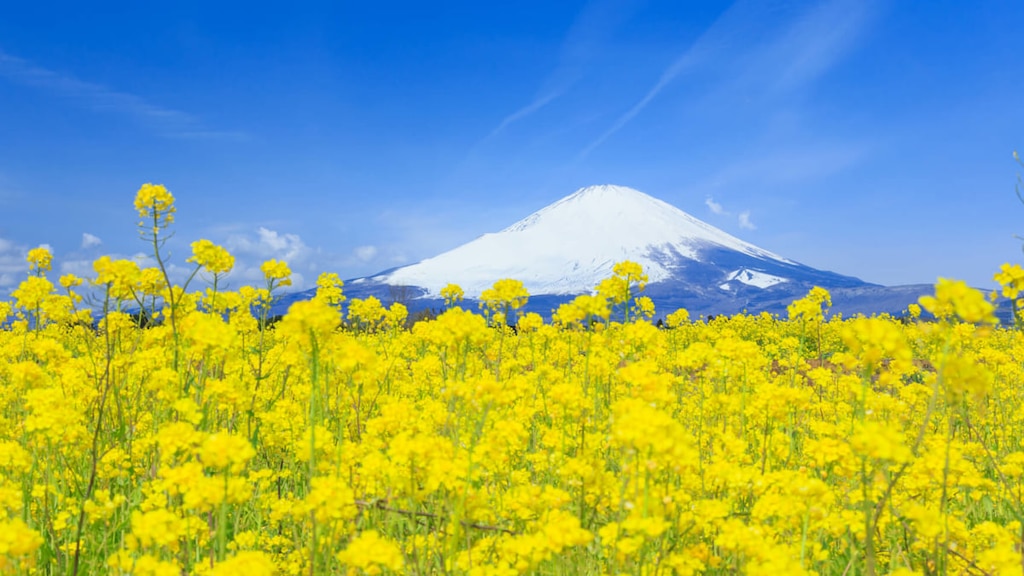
<point>566,248</point>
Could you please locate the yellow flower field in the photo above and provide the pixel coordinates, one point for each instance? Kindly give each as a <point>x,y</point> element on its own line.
<point>211,441</point>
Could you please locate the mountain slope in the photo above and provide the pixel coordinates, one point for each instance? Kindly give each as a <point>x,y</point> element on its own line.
<point>569,246</point>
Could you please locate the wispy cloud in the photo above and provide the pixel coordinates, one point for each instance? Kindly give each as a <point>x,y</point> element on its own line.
<point>787,166</point>
<point>538,103</point>
<point>816,42</point>
<point>365,253</point>
<point>12,264</point>
<point>718,210</point>
<point>269,244</point>
<point>90,241</point>
<point>592,28</point>
<point>250,251</point>
<point>8,190</point>
<point>167,122</point>
<point>698,53</point>
<point>808,46</point>
<point>251,245</point>
<point>715,207</point>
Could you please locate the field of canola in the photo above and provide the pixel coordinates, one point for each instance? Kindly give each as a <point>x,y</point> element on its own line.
<point>216,443</point>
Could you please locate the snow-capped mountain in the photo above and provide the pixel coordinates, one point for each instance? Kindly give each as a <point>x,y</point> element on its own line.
<point>571,245</point>
<point>568,247</point>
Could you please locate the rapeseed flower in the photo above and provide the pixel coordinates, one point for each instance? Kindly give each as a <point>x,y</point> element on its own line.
<point>211,257</point>
<point>677,318</point>
<point>1011,278</point>
<point>226,443</point>
<point>367,313</point>
<point>156,529</point>
<point>329,288</point>
<point>954,297</point>
<point>309,321</point>
<point>120,275</point>
<point>371,554</point>
<point>17,541</point>
<point>40,259</point>
<point>812,307</point>
<point>504,297</point>
<point>277,273</point>
<point>32,292</point>
<point>223,451</point>
<point>247,563</point>
<point>452,295</point>
<point>153,197</point>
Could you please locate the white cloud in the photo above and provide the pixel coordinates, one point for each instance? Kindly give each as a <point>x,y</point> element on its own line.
<point>810,44</point>
<point>697,54</point>
<point>97,97</point>
<point>365,253</point>
<point>815,43</point>
<point>719,210</point>
<point>289,246</point>
<point>81,267</point>
<point>13,267</point>
<point>90,241</point>
<point>251,251</point>
<point>269,244</point>
<point>715,207</point>
<point>591,30</point>
<point>525,111</point>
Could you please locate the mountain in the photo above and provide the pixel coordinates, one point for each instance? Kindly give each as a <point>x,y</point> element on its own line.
<point>567,247</point>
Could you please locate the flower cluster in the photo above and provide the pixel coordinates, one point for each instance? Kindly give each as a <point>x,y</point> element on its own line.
<point>211,257</point>
<point>593,443</point>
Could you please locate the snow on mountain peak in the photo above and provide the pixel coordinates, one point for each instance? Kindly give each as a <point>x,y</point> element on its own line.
<point>570,245</point>
<point>755,278</point>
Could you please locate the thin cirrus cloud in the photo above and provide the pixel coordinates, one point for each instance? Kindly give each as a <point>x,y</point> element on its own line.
<point>90,241</point>
<point>697,54</point>
<point>591,29</point>
<point>715,207</point>
<point>807,48</point>
<point>12,264</point>
<point>269,244</point>
<point>166,122</point>
<point>814,43</point>
<point>251,251</point>
<point>365,253</point>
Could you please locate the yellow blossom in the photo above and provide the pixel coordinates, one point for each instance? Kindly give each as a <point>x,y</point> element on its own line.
<point>677,318</point>
<point>223,451</point>
<point>956,297</point>
<point>213,258</point>
<point>247,563</point>
<point>812,307</point>
<point>1011,278</point>
<point>328,288</point>
<point>277,273</point>
<point>153,198</point>
<point>452,295</point>
<point>309,321</point>
<point>371,553</point>
<point>505,295</point>
<point>40,259</point>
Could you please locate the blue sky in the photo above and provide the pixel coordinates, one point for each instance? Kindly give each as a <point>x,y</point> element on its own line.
<point>869,137</point>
